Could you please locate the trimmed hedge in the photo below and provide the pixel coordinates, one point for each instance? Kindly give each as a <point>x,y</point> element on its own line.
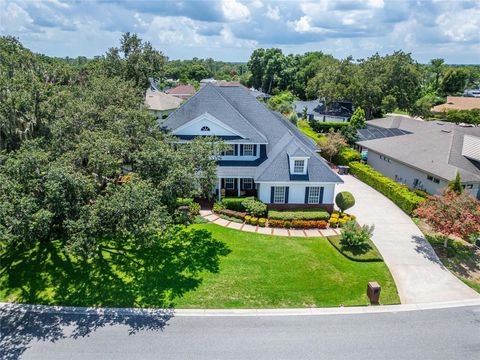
<point>346,156</point>
<point>233,203</point>
<point>298,215</point>
<point>324,127</point>
<point>298,224</point>
<point>407,200</point>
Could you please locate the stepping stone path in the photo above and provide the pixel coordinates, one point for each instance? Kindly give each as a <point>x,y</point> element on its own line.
<point>211,217</point>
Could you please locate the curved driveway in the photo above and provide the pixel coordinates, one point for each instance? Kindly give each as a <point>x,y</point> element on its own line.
<point>418,273</point>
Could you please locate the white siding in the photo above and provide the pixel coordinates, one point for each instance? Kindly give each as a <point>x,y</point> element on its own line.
<point>405,174</point>
<point>296,191</point>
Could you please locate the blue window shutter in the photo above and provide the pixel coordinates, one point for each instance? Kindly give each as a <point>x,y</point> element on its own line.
<point>236,149</point>
<point>287,188</point>
<point>255,150</point>
<point>307,190</point>
<point>320,198</point>
<point>241,149</point>
<point>272,191</point>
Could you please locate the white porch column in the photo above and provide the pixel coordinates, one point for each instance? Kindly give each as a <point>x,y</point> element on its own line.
<point>238,187</point>
<point>219,189</point>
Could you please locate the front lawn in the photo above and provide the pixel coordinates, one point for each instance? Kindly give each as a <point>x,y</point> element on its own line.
<point>259,271</point>
<point>366,252</point>
<point>264,271</point>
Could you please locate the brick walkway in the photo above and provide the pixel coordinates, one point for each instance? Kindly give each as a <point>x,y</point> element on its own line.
<point>211,217</point>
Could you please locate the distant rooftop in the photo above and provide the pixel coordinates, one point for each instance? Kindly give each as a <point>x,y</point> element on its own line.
<point>458,103</point>
<point>159,101</point>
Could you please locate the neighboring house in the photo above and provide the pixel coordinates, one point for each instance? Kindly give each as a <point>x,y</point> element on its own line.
<point>458,103</point>
<point>161,104</point>
<point>267,156</point>
<point>339,111</point>
<point>182,91</point>
<point>423,155</point>
<point>257,94</point>
<point>472,93</point>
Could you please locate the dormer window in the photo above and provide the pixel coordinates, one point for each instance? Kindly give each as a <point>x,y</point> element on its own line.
<point>205,128</point>
<point>248,149</point>
<point>299,166</point>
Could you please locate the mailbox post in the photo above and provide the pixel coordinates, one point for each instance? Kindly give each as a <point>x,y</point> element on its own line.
<point>373,292</point>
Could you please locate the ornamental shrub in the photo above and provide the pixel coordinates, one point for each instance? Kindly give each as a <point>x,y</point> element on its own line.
<point>333,222</point>
<point>254,207</point>
<point>346,156</point>
<point>247,219</point>
<point>299,215</point>
<point>253,220</point>
<point>262,222</point>
<point>344,200</point>
<point>405,199</point>
<point>217,207</point>
<point>193,207</point>
<point>356,235</point>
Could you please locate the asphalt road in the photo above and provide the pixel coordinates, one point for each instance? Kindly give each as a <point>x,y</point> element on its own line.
<point>427,334</point>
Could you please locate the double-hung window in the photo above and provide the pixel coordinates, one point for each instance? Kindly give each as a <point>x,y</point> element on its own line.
<point>279,195</point>
<point>248,149</point>
<point>314,195</point>
<point>298,166</point>
<point>247,184</point>
<point>229,183</point>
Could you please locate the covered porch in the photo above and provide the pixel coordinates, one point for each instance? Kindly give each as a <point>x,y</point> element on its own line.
<point>235,187</point>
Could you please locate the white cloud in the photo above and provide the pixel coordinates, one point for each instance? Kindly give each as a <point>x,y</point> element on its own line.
<point>273,13</point>
<point>235,11</point>
<point>303,25</point>
<point>14,17</point>
<point>460,26</point>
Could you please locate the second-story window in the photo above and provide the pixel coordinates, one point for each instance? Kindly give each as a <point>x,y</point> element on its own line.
<point>298,166</point>
<point>248,149</point>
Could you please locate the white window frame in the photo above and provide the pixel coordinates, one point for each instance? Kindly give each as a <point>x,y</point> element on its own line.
<point>314,196</point>
<point>230,151</point>
<point>249,182</point>
<point>229,182</point>
<point>279,193</point>
<point>296,166</point>
<point>248,149</point>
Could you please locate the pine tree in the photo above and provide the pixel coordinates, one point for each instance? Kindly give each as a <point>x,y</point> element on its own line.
<point>456,184</point>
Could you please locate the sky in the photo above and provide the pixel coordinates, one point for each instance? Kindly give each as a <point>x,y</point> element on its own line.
<point>230,30</point>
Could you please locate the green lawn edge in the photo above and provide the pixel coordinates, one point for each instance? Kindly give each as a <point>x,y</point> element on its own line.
<point>372,255</point>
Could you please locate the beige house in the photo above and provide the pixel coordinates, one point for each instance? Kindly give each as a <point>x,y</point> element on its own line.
<point>161,104</point>
<point>458,103</point>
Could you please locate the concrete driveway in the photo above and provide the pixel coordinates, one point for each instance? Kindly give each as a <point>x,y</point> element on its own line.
<point>418,273</point>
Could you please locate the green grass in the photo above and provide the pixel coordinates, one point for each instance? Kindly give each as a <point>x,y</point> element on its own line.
<point>400,112</point>
<point>366,252</point>
<point>230,218</point>
<point>304,127</point>
<point>264,271</point>
<point>261,271</point>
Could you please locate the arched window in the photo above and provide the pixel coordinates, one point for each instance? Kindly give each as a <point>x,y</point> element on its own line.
<point>205,128</point>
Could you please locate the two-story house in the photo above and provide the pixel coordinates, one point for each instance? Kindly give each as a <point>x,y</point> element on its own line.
<point>268,157</point>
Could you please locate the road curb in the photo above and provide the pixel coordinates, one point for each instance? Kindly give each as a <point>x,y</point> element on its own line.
<point>236,312</point>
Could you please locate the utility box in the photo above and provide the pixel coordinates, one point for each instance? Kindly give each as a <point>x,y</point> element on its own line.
<point>373,292</point>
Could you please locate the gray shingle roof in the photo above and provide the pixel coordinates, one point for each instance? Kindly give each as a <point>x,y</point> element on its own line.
<point>235,107</point>
<point>210,100</point>
<point>434,147</point>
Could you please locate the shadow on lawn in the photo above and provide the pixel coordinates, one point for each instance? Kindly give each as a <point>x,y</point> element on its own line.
<point>356,250</point>
<point>150,277</point>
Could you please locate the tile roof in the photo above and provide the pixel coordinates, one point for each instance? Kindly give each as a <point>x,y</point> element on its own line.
<point>458,103</point>
<point>159,101</point>
<point>434,147</point>
<point>182,90</point>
